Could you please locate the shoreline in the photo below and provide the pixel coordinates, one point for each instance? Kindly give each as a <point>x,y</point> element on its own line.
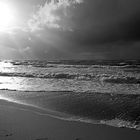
<point>23,124</point>
<point>117,110</point>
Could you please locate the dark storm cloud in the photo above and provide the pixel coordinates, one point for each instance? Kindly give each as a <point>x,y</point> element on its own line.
<point>106,27</point>
<point>107,21</point>
<point>95,21</point>
<point>81,29</point>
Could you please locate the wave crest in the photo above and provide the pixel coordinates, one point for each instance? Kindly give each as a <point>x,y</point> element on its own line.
<point>122,80</point>
<point>51,75</point>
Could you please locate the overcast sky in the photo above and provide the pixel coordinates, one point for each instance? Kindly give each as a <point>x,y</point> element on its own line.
<point>72,29</point>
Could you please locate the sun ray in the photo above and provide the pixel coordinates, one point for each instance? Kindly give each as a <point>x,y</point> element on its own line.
<point>7,16</point>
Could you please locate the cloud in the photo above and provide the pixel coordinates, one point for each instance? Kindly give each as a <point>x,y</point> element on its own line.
<point>51,14</point>
<point>26,49</point>
<point>91,29</point>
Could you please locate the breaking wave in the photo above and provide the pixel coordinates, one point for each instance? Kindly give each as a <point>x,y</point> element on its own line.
<point>51,75</point>
<point>77,63</point>
<point>125,80</point>
<point>77,76</point>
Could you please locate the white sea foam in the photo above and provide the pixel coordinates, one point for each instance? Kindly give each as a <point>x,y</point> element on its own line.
<point>69,76</point>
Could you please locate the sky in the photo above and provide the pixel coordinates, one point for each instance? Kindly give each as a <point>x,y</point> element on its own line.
<point>70,29</point>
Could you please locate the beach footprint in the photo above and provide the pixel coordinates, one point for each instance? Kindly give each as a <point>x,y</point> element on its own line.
<point>5,133</point>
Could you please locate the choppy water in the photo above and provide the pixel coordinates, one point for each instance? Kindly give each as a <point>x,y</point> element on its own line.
<point>94,91</point>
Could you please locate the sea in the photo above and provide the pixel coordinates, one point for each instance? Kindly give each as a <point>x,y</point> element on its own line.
<point>92,91</point>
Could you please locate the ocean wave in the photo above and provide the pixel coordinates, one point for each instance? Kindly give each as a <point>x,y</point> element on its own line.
<point>51,75</point>
<point>109,78</point>
<point>56,65</point>
<point>131,66</point>
<point>122,80</point>
<point>38,91</point>
<point>132,70</point>
<point>85,63</point>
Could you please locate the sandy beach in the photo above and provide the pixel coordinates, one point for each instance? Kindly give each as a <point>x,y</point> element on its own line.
<point>19,123</point>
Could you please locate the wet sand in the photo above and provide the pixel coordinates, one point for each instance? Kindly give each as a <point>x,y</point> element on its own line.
<point>19,123</point>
